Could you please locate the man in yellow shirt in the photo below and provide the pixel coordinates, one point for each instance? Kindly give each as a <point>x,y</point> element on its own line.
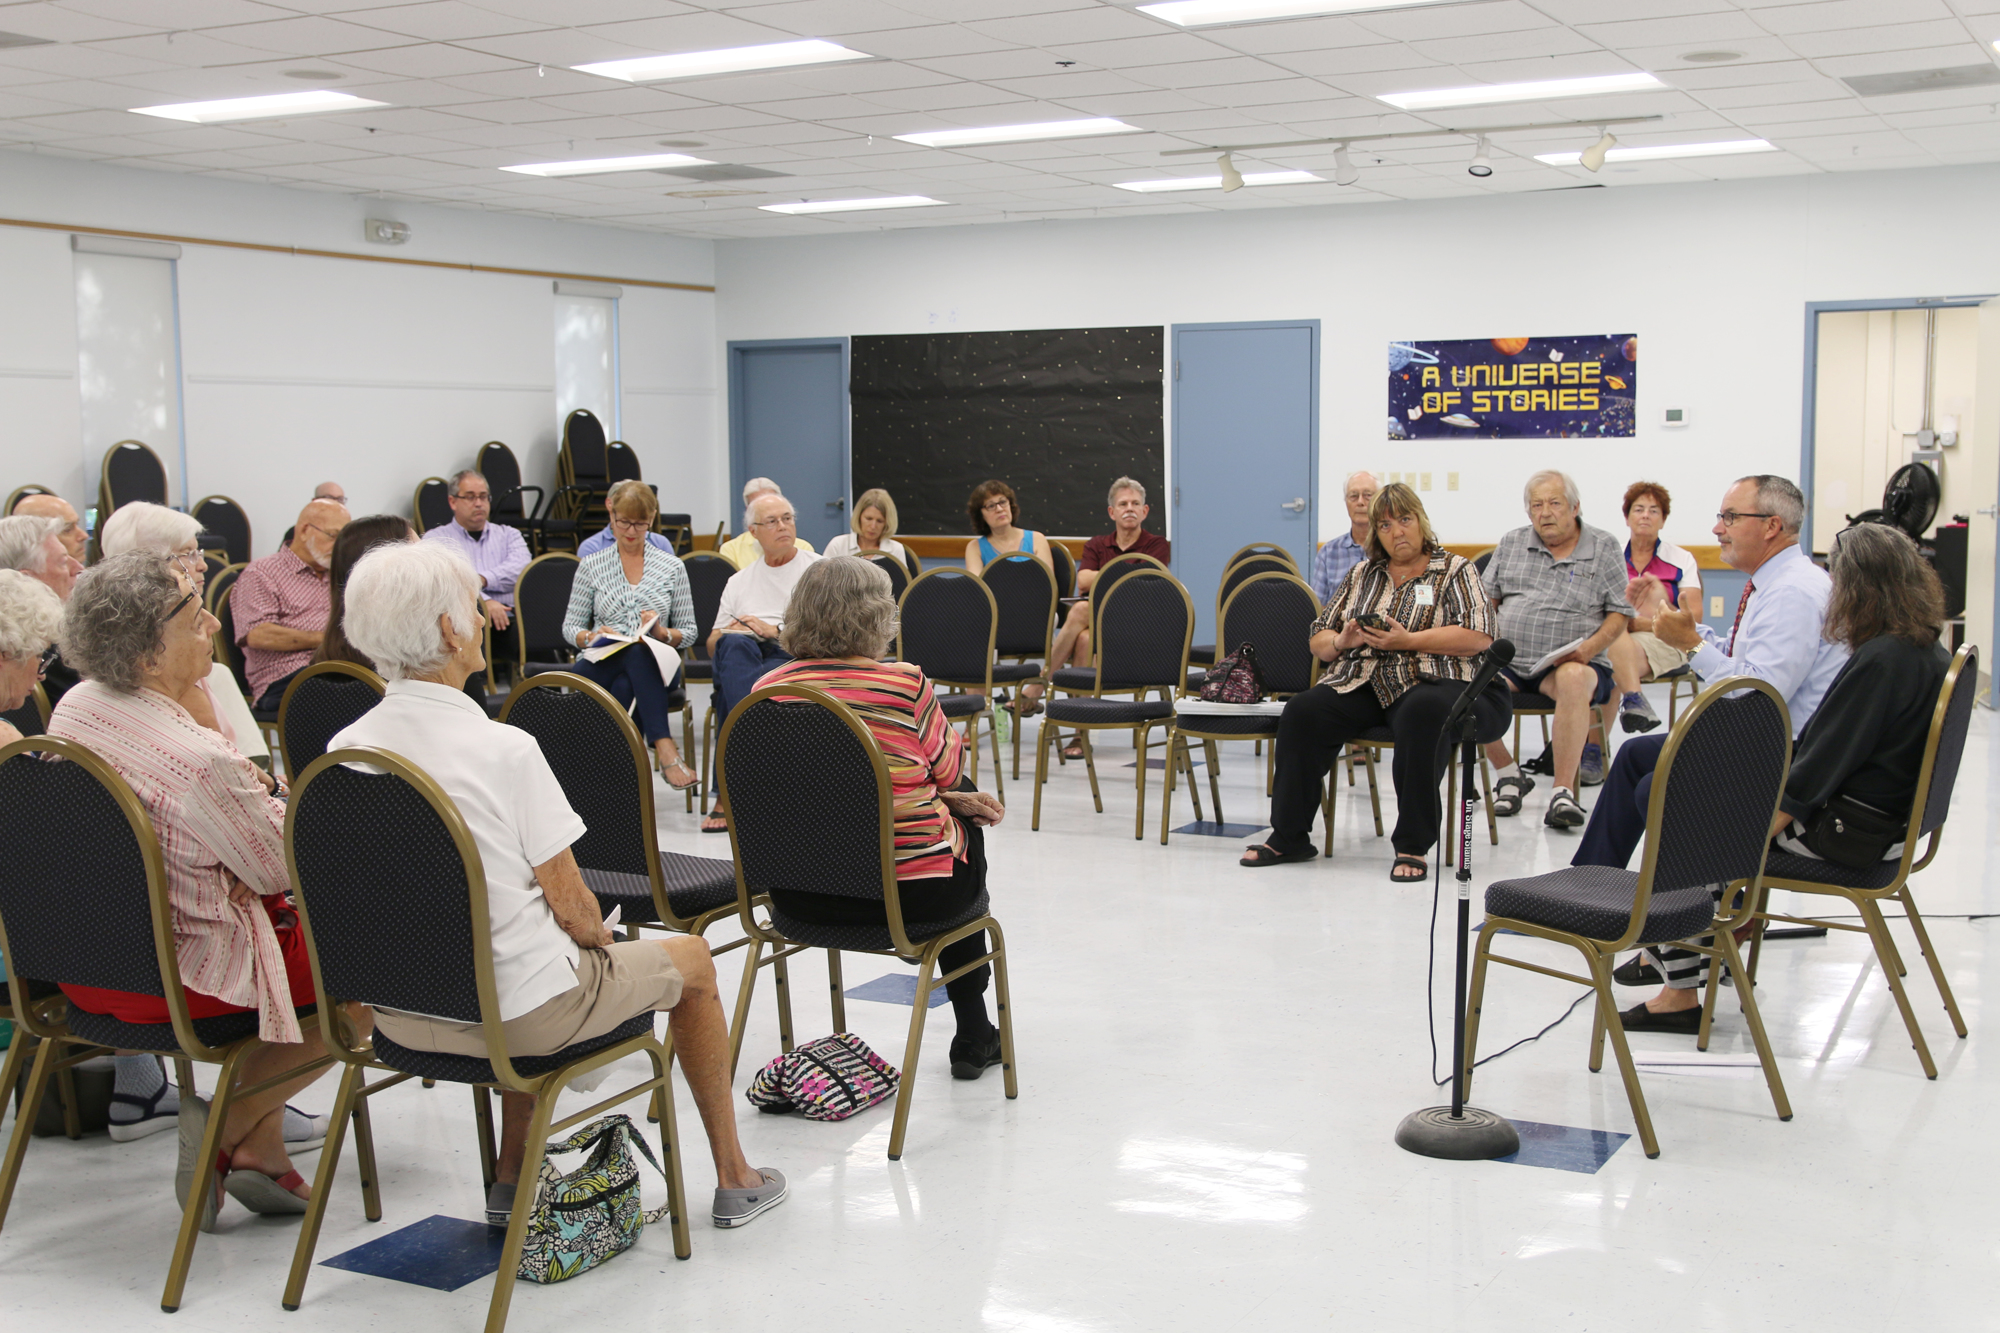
<point>742,550</point>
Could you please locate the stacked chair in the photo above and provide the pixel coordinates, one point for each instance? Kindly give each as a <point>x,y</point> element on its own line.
<point>583,473</point>
<point>510,496</point>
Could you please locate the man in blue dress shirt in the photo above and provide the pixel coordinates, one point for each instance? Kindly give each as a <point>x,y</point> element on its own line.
<point>1776,638</point>
<point>496,552</point>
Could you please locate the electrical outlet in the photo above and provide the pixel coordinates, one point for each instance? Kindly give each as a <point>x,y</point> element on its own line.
<point>1425,480</point>
<point>1451,481</point>
<point>1715,607</point>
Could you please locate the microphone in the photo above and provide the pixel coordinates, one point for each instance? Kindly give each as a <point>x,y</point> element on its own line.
<point>1499,655</point>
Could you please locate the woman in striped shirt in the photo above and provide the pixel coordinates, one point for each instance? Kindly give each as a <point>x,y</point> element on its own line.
<point>839,623</point>
<point>635,589</point>
<point>135,629</point>
<point>1401,638</point>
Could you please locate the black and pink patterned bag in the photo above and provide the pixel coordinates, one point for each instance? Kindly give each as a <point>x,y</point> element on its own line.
<point>1235,679</point>
<point>828,1079</point>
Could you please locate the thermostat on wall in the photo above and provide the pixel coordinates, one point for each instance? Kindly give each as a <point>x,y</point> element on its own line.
<point>1673,416</point>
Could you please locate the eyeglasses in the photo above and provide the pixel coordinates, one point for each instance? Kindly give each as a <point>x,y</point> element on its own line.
<point>632,524</point>
<point>191,563</point>
<point>475,497</point>
<point>1727,518</point>
<point>168,618</point>
<point>776,520</point>
<point>992,505</point>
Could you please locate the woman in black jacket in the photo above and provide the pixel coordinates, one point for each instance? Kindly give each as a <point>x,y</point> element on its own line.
<point>1865,742</point>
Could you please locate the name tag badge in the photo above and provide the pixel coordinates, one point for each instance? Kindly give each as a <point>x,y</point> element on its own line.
<point>1424,595</point>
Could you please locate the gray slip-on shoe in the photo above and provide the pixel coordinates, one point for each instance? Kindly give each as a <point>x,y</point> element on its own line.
<point>734,1208</point>
<point>193,1124</point>
<point>500,1203</point>
<point>305,1131</point>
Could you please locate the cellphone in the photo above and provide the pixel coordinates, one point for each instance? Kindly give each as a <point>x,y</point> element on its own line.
<point>1369,620</point>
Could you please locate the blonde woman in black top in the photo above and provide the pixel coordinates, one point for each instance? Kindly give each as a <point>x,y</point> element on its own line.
<point>1400,639</point>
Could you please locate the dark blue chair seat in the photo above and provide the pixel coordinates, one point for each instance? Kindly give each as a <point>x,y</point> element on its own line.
<point>220,1031</point>
<point>695,884</point>
<point>1785,865</point>
<point>961,705</point>
<point>1202,654</point>
<point>1596,903</point>
<point>1007,672</point>
<point>471,1069</point>
<point>1228,724</point>
<point>1074,678</point>
<point>858,937</point>
<point>1109,712</point>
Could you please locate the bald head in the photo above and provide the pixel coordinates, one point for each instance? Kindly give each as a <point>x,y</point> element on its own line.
<point>319,523</point>
<point>72,537</point>
<point>330,490</point>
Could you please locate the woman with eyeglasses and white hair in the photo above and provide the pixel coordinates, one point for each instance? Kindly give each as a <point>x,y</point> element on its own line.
<point>30,620</point>
<point>213,700</point>
<point>136,630</point>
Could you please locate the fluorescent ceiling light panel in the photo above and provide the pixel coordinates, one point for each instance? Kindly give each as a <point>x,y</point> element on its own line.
<point>851,205</point>
<point>1049,129</point>
<point>597,166</point>
<point>733,60</point>
<point>1541,90</point>
<point>1656,152</point>
<point>257,108</point>
<point>1201,13</point>
<point>1215,182</point>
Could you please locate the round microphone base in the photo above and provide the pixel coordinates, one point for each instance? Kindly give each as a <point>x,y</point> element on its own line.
<point>1474,1136</point>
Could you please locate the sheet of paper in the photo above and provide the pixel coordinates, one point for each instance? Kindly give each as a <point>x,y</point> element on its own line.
<point>1554,657</point>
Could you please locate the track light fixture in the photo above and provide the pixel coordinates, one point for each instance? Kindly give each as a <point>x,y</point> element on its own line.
<point>1592,158</point>
<point>1232,179</point>
<point>1344,170</point>
<point>1481,165</point>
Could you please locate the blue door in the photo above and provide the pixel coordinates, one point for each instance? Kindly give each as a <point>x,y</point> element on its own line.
<point>1246,448</point>
<point>788,421</point>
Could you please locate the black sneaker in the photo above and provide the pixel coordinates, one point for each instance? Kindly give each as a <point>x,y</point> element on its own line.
<point>970,1059</point>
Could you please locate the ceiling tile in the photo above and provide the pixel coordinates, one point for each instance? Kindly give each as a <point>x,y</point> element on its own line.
<point>438,21</point>
<point>1433,21</point>
<point>1834,14</point>
<point>1892,37</point>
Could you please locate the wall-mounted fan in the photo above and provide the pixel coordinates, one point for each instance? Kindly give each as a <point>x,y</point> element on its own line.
<point>1910,502</point>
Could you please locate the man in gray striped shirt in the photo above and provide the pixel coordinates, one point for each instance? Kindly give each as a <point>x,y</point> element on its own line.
<point>1560,585</point>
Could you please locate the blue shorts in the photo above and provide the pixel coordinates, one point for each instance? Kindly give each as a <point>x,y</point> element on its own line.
<point>1600,695</point>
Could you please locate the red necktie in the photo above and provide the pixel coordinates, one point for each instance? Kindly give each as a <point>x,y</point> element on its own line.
<point>1741,602</point>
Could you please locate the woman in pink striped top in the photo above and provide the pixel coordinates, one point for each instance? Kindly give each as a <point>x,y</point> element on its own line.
<point>839,622</point>
<point>136,630</point>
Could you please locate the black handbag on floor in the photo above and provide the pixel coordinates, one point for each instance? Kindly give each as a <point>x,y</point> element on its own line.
<point>1849,833</point>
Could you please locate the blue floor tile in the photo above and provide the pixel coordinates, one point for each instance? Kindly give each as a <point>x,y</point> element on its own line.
<point>442,1253</point>
<point>896,988</point>
<point>1208,828</point>
<point>1565,1147</point>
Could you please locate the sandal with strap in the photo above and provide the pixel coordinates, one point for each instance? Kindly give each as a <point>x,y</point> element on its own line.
<point>1405,862</point>
<point>693,777</point>
<point>264,1193</point>
<point>1263,854</point>
<point>1507,794</point>
<point>716,823</point>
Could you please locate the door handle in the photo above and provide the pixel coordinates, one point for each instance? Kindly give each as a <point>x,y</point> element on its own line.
<point>1989,511</point>
<point>839,502</point>
<point>1297,506</point>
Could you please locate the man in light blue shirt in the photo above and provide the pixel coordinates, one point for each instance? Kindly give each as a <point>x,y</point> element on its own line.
<point>497,553</point>
<point>1776,638</point>
<point>1342,553</point>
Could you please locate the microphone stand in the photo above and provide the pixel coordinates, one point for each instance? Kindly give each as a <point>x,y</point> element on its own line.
<point>1459,1132</point>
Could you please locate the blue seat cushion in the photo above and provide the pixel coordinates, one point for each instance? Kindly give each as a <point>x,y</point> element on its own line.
<point>1108,712</point>
<point>852,935</point>
<point>218,1031</point>
<point>1785,865</point>
<point>961,705</point>
<point>694,884</point>
<point>1596,903</point>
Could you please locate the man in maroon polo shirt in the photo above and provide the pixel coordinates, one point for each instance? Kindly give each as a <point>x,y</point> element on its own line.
<point>1128,509</point>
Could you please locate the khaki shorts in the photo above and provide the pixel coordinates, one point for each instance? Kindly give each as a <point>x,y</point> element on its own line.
<point>1661,657</point>
<point>613,985</point>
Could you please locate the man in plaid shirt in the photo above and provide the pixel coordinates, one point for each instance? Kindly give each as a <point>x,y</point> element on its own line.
<point>1557,581</point>
<point>1343,552</point>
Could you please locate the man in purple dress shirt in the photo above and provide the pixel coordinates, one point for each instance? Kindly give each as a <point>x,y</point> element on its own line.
<point>496,552</point>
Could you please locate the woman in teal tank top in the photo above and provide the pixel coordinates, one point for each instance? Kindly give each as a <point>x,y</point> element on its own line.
<point>993,511</point>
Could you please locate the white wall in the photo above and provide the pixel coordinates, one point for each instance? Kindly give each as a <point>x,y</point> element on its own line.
<point>1713,278</point>
<point>304,369</point>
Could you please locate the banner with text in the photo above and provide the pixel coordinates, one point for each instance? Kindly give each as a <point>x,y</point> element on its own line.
<point>1514,388</point>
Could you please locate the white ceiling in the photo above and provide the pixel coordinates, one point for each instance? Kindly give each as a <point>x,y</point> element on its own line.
<point>475,86</point>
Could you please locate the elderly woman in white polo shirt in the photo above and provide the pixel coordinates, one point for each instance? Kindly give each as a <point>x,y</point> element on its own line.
<point>414,609</point>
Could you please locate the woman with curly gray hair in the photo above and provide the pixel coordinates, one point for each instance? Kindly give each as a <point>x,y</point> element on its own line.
<point>136,631</point>
<point>839,623</point>
<point>30,619</point>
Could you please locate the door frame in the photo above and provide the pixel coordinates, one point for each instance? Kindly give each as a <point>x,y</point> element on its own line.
<point>739,447</point>
<point>1807,417</point>
<point>1174,331</point>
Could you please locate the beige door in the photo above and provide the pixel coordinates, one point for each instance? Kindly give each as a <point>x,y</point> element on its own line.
<point>1981,546</point>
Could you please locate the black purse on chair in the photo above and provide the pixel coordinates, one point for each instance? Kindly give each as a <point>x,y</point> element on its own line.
<point>1849,833</point>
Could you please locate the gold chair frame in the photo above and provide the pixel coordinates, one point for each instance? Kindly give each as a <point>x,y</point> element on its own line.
<point>1738,904</point>
<point>249,529</point>
<point>352,670</point>
<point>225,651</point>
<point>982,686</point>
<point>417,501</point>
<point>357,1054</point>
<point>924,955</point>
<point>1142,732</point>
<point>1261,548</point>
<point>1867,903</point>
<point>1048,643</point>
<point>47,1020</point>
<point>20,493</point>
<point>1178,734</point>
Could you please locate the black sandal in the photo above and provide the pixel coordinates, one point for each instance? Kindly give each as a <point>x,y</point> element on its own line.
<point>1263,854</point>
<point>1402,861</point>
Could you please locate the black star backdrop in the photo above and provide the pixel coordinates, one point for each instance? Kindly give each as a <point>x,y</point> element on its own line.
<point>1057,414</point>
